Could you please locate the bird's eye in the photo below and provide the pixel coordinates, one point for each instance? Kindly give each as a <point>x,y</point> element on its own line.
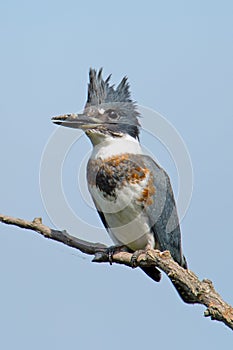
<point>112,114</point>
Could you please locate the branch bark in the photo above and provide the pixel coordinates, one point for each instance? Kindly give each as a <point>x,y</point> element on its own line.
<point>190,288</point>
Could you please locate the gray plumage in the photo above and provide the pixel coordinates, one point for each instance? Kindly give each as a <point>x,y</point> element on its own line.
<point>163,215</point>
<point>103,95</point>
<point>100,91</point>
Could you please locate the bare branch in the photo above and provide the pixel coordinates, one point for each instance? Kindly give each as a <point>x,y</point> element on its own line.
<point>190,288</point>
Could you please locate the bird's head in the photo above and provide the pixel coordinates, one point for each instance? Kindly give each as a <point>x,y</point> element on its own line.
<point>109,110</point>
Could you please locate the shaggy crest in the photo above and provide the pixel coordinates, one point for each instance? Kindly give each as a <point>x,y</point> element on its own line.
<point>100,91</point>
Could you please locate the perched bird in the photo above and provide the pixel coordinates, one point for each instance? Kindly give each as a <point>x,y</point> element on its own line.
<point>131,192</point>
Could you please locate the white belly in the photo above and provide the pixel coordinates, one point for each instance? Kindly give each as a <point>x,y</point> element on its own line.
<point>128,224</point>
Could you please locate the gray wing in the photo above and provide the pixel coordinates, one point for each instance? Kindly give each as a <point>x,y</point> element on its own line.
<point>162,213</point>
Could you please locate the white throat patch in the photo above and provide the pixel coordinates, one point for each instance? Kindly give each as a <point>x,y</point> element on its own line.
<point>112,146</point>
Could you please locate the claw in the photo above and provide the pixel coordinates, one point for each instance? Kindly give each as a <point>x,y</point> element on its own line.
<point>135,256</point>
<point>115,249</point>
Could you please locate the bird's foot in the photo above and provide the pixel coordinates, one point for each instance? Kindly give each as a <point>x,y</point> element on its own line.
<point>115,249</point>
<point>135,256</point>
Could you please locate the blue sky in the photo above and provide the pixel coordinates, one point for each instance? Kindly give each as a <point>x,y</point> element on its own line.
<point>178,57</point>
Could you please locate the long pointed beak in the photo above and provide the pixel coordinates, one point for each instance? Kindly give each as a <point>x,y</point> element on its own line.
<point>77,121</point>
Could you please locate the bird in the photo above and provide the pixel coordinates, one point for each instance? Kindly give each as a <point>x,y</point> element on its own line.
<point>131,192</point>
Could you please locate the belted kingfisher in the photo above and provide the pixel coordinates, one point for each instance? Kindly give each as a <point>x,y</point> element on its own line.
<point>131,192</point>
